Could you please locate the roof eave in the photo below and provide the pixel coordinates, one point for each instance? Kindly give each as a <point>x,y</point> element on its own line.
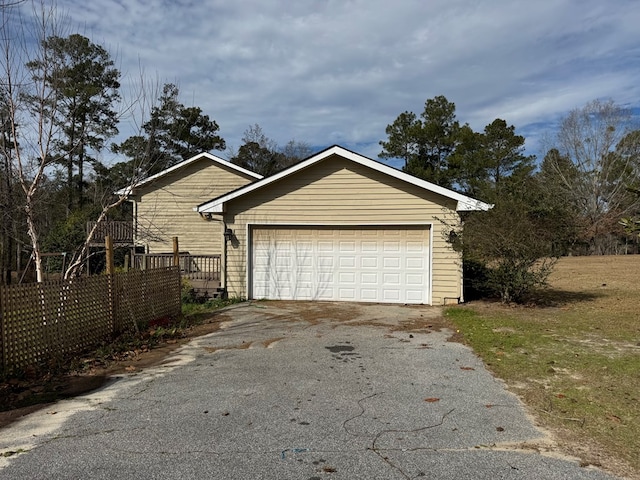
<point>220,161</point>
<point>472,205</point>
<point>464,203</point>
<point>215,208</point>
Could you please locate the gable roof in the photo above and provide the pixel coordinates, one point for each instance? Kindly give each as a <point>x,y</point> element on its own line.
<point>464,203</point>
<point>224,163</point>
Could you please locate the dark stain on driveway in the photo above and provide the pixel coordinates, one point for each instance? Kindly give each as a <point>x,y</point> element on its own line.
<point>340,348</point>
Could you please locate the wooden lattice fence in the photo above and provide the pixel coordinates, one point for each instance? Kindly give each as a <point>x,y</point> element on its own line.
<point>52,320</point>
<point>143,296</point>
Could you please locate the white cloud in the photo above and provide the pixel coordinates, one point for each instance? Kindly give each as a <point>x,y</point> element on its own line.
<point>331,71</point>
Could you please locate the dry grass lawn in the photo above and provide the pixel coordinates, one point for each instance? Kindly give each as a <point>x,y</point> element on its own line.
<point>574,357</point>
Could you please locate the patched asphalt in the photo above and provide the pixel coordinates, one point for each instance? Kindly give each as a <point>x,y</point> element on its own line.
<point>278,395</point>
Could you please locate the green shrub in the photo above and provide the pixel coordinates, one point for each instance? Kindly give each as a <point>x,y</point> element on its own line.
<point>187,292</point>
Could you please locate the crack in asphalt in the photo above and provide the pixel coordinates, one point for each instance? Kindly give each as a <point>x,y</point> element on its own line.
<point>358,415</point>
<point>378,451</point>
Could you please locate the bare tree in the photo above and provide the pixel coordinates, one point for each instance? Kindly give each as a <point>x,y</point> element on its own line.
<point>8,4</point>
<point>138,110</point>
<point>596,164</point>
<point>30,106</point>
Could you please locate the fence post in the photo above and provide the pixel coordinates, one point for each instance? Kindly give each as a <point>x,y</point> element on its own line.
<point>108,244</point>
<point>176,252</point>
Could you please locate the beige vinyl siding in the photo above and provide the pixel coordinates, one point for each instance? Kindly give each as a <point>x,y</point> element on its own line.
<point>339,192</point>
<point>165,208</point>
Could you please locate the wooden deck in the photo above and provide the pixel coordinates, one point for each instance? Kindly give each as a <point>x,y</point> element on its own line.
<point>202,271</point>
<point>121,233</point>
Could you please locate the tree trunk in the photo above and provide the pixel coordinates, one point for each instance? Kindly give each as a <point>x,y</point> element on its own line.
<point>33,235</point>
<point>81,166</point>
<point>70,147</point>
<point>4,217</point>
<point>7,216</point>
<point>69,184</point>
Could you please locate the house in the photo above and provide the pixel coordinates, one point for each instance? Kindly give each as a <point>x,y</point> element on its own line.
<point>339,226</point>
<point>163,204</point>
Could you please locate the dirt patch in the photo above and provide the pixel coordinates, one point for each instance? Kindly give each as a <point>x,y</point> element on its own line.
<point>425,325</point>
<point>313,313</point>
<point>409,318</point>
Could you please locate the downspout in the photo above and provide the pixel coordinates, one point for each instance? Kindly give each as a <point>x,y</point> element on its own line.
<point>226,239</point>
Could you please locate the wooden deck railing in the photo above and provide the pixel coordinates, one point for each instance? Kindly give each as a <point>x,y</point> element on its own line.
<point>194,267</point>
<point>121,232</point>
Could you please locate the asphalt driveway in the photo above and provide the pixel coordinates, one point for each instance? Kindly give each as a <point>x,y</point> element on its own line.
<point>296,391</point>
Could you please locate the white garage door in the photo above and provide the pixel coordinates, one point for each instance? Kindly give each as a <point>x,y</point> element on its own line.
<point>358,264</point>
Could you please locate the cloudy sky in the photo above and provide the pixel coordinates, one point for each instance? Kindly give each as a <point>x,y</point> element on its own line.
<point>339,71</point>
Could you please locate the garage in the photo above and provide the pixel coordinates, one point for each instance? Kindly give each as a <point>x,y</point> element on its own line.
<point>388,263</point>
<point>341,227</point>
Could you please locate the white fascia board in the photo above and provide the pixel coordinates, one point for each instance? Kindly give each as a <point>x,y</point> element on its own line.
<point>464,203</point>
<point>471,205</point>
<point>218,208</point>
<point>126,191</point>
<point>129,190</point>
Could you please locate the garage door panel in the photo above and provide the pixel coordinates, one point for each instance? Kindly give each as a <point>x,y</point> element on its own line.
<point>414,296</point>
<point>347,247</point>
<point>282,293</point>
<point>369,278</point>
<point>282,276</point>
<point>347,262</point>
<point>303,293</point>
<point>347,294</point>
<point>369,295</point>
<point>417,263</point>
<point>391,278</point>
<point>325,261</point>
<point>415,247</point>
<point>305,260</point>
<point>347,278</point>
<point>391,295</point>
<point>369,262</point>
<point>391,262</point>
<point>391,247</point>
<point>260,259</point>
<point>372,264</point>
<point>369,247</point>
<point>282,261</point>
<point>325,294</point>
<point>325,246</point>
<point>325,278</point>
<point>305,277</point>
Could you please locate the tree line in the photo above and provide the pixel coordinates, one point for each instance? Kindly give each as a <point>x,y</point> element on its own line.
<point>581,198</point>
